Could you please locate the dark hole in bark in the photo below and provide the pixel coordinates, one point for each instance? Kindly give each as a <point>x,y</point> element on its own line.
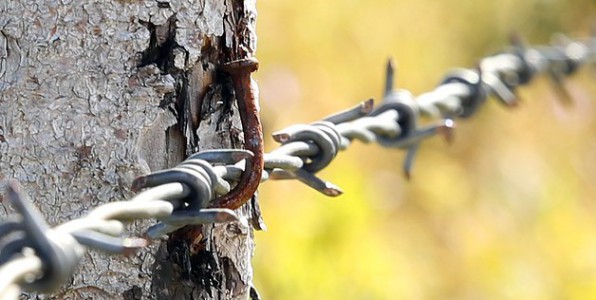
<point>163,4</point>
<point>134,293</point>
<point>162,43</point>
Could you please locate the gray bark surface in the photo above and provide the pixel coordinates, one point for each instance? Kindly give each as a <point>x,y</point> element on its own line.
<point>95,93</point>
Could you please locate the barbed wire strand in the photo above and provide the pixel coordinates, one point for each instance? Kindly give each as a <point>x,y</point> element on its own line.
<point>37,258</point>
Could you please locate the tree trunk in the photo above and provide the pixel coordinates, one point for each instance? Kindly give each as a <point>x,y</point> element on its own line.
<point>95,93</point>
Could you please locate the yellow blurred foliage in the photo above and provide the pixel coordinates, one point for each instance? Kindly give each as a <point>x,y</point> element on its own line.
<point>505,212</point>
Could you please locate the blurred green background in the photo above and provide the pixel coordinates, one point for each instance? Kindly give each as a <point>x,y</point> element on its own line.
<point>505,212</point>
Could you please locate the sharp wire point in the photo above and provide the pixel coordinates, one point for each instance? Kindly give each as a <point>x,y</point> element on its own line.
<point>389,77</point>
<point>447,131</point>
<point>368,105</point>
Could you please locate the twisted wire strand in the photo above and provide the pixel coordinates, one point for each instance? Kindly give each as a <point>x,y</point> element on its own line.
<point>34,257</point>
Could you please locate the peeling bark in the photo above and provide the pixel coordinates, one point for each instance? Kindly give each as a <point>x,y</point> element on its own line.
<point>95,93</point>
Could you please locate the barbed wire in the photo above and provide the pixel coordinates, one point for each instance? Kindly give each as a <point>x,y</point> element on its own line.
<point>37,258</point>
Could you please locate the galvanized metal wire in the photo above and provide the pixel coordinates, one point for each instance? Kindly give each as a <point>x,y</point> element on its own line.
<point>35,257</point>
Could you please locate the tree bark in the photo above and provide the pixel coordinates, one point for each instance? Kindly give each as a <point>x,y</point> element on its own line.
<point>95,93</point>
